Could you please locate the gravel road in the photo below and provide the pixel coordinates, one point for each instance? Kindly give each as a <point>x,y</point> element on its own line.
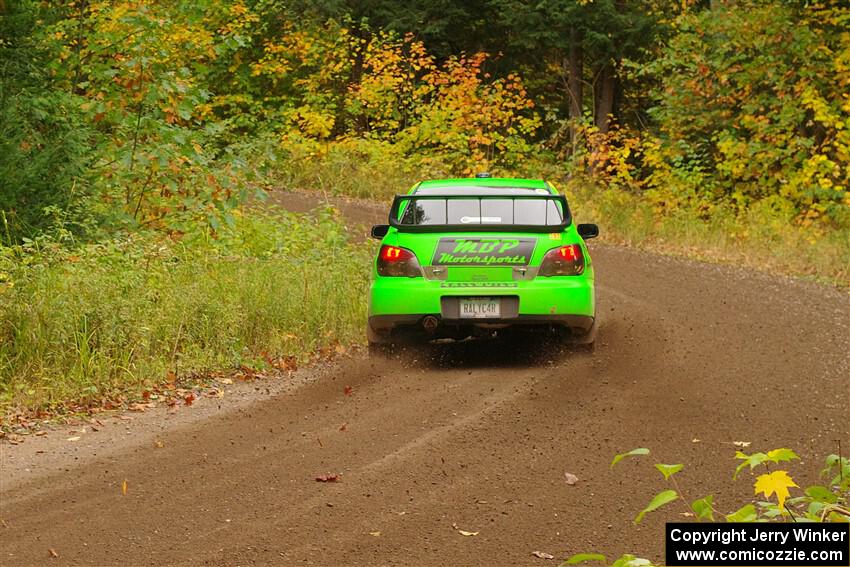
<point>475,437</point>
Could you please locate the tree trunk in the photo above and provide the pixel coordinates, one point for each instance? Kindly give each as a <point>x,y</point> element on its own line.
<point>574,72</point>
<point>574,68</point>
<point>605,93</point>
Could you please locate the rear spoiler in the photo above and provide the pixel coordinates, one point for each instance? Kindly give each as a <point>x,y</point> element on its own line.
<point>400,200</point>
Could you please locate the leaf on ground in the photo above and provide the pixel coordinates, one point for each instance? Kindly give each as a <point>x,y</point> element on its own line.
<point>376,534</point>
<point>287,363</point>
<point>158,444</point>
<point>52,553</point>
<point>464,532</point>
<point>632,453</point>
<point>659,500</point>
<point>215,393</point>
<point>189,399</point>
<point>570,478</point>
<point>542,555</point>
<point>343,427</point>
<point>76,438</point>
<point>348,390</point>
<point>777,482</point>
<point>328,478</point>
<point>124,487</point>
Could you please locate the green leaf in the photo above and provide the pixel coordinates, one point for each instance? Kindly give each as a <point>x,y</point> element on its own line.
<point>632,453</point>
<point>703,508</point>
<point>753,460</point>
<point>582,557</point>
<point>745,514</point>
<point>778,455</point>
<point>657,502</point>
<point>821,494</point>
<point>668,470</point>
<point>772,511</point>
<point>815,509</point>
<point>631,561</point>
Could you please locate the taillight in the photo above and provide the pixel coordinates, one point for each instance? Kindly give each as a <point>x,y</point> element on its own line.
<point>563,261</point>
<point>398,262</point>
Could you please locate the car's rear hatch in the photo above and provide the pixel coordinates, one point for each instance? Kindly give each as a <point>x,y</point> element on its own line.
<point>480,246</point>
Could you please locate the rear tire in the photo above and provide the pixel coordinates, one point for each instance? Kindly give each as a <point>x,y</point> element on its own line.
<point>583,343</point>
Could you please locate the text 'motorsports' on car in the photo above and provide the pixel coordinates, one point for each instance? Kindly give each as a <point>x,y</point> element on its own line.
<point>468,257</point>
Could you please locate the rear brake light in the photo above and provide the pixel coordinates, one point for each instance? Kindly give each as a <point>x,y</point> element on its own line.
<point>563,261</point>
<point>398,262</point>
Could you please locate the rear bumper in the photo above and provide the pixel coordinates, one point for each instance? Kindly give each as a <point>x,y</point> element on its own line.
<point>568,295</point>
<point>580,323</point>
<point>399,306</point>
<point>410,328</point>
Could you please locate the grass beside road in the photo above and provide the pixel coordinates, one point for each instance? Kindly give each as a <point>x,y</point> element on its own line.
<point>84,325</point>
<point>757,239</point>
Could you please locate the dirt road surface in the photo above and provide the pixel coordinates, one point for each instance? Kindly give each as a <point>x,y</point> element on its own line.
<point>475,437</point>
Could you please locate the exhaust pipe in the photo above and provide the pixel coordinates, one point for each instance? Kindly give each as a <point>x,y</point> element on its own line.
<point>430,324</point>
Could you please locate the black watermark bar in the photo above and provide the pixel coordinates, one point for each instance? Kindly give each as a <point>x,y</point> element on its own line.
<point>757,545</point>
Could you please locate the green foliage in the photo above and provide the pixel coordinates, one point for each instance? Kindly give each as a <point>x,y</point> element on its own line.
<point>752,105</point>
<point>668,470</point>
<point>661,499</point>
<point>584,557</point>
<point>817,503</point>
<point>44,138</point>
<point>754,460</point>
<point>632,453</point>
<point>704,508</point>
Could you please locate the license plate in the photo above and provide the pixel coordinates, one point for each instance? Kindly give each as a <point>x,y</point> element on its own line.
<point>484,308</point>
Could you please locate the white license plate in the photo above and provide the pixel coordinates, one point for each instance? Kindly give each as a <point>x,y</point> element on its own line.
<point>480,308</point>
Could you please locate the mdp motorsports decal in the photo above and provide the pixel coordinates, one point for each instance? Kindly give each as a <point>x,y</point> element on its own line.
<point>484,251</point>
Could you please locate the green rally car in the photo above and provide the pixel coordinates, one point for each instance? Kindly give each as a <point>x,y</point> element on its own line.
<point>469,257</point>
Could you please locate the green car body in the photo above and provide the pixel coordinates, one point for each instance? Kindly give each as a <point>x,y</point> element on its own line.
<point>444,275</point>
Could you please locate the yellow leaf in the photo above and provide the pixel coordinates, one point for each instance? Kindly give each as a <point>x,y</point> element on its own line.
<point>124,487</point>
<point>777,482</point>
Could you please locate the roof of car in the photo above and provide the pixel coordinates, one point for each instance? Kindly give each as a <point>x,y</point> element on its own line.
<point>483,182</point>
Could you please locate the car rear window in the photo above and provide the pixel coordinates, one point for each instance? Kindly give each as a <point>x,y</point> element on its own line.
<point>483,207</point>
